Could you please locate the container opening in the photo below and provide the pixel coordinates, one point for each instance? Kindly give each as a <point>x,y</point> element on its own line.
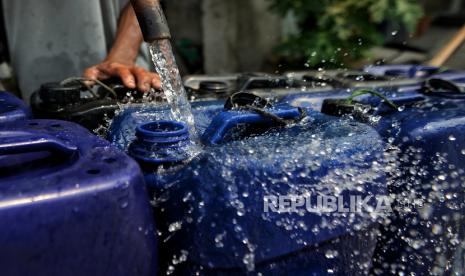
<point>163,127</point>
<point>160,142</point>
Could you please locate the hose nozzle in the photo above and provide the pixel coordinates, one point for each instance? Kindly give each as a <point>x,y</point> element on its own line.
<point>151,19</point>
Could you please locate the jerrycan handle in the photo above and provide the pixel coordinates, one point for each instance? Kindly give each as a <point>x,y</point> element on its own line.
<point>414,71</point>
<point>17,142</point>
<point>422,71</point>
<point>227,120</point>
<point>442,88</point>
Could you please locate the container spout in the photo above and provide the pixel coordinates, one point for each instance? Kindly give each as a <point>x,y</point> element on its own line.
<point>151,19</point>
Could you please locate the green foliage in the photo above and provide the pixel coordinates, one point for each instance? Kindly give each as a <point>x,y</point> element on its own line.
<point>334,31</point>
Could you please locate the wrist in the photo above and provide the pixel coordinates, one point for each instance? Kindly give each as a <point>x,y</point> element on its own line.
<point>126,57</point>
<point>128,39</point>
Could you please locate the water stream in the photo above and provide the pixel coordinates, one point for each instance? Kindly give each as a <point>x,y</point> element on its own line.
<point>171,82</point>
<point>173,88</point>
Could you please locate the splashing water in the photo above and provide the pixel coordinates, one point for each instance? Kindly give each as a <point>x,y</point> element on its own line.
<point>232,180</point>
<point>423,180</point>
<point>171,82</point>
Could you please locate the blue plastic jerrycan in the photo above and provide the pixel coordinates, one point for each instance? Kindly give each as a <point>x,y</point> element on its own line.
<point>219,212</point>
<point>315,100</point>
<point>426,231</point>
<point>71,204</point>
<point>402,70</point>
<point>12,108</point>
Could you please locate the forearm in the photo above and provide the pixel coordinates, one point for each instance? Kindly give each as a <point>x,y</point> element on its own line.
<point>120,61</point>
<point>128,38</point>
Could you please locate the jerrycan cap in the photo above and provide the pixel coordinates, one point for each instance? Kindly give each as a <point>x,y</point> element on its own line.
<point>56,93</point>
<point>216,87</point>
<point>161,142</point>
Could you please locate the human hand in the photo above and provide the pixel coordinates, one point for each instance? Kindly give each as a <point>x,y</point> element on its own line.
<point>132,76</point>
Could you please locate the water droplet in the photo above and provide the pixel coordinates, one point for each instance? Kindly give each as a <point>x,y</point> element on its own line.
<point>426,211</point>
<point>249,260</point>
<point>219,240</point>
<point>417,244</point>
<point>170,270</point>
<point>436,229</point>
<point>182,258</point>
<point>175,226</point>
<point>331,254</point>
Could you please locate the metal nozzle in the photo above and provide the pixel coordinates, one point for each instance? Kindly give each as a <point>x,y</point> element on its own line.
<point>151,19</point>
